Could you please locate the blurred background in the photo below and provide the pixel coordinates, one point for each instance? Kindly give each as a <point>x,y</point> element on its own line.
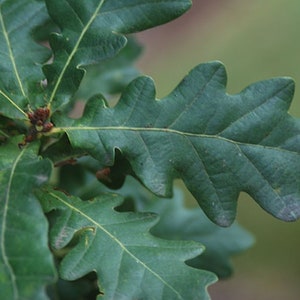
<point>255,40</point>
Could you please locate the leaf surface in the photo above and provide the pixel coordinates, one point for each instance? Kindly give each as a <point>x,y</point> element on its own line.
<point>177,222</point>
<point>129,261</point>
<point>219,144</point>
<point>111,76</point>
<point>26,264</point>
<point>20,57</point>
<point>93,31</point>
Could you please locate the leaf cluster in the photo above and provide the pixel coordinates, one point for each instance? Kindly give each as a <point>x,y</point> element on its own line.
<point>87,207</point>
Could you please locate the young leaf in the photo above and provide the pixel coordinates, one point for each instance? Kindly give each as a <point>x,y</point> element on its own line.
<point>129,261</point>
<point>219,144</point>
<point>20,57</point>
<point>92,31</point>
<point>26,264</point>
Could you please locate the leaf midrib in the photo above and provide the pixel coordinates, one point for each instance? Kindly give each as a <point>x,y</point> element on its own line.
<point>117,241</point>
<point>11,101</point>
<point>73,52</point>
<point>167,131</point>
<point>3,226</point>
<point>10,52</point>
<point>14,65</point>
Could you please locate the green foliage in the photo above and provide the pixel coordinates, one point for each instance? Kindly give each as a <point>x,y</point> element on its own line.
<point>117,245</point>
<point>192,224</point>
<point>93,32</point>
<point>111,76</point>
<point>26,262</point>
<point>21,75</point>
<point>176,222</point>
<point>218,144</point>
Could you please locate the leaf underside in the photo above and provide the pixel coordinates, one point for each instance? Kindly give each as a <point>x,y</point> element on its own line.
<point>120,249</point>
<point>219,144</point>
<point>26,264</point>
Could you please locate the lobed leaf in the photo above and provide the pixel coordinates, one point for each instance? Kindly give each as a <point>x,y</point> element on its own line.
<point>192,224</point>
<point>20,57</point>
<point>93,31</point>
<point>176,222</point>
<point>219,144</point>
<point>129,261</point>
<point>111,76</point>
<point>26,264</point>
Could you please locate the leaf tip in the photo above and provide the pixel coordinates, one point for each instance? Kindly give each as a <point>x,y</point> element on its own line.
<point>213,70</point>
<point>223,218</point>
<point>290,213</point>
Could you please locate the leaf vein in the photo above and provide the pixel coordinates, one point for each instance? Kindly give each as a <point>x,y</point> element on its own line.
<point>195,98</point>
<point>73,52</point>
<point>117,241</point>
<point>11,55</point>
<point>248,112</point>
<point>167,131</point>
<point>3,227</point>
<point>12,103</point>
<point>71,7</point>
<point>204,168</point>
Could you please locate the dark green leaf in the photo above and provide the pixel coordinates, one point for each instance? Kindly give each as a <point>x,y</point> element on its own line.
<point>92,31</point>
<point>179,223</point>
<point>219,144</point>
<point>129,261</point>
<point>176,222</point>
<point>20,57</point>
<point>60,152</point>
<point>111,76</point>
<point>26,264</point>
